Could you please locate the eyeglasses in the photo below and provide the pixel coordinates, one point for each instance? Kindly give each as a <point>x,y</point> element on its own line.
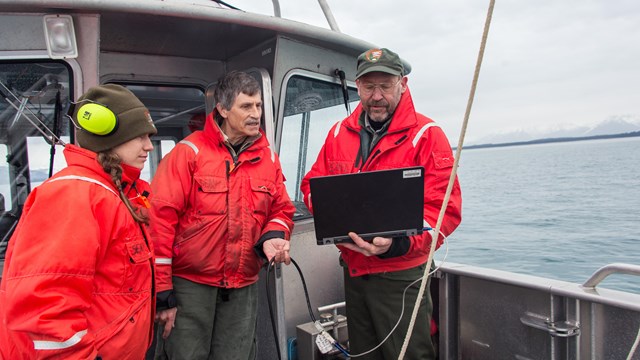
<point>385,88</point>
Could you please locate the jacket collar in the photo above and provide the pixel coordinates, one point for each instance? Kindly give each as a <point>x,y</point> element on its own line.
<point>77,156</point>
<point>214,133</point>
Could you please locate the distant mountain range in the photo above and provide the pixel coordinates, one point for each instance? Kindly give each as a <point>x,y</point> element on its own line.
<point>614,126</point>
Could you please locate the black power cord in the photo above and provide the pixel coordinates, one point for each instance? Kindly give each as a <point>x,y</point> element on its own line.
<point>306,294</point>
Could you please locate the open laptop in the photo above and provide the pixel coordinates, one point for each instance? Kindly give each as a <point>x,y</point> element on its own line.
<point>383,203</point>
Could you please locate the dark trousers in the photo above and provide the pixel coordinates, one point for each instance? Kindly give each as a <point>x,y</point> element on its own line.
<point>374,304</point>
<point>211,323</point>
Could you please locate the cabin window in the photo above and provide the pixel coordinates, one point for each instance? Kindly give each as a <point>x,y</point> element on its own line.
<point>39,165</point>
<point>161,148</point>
<point>35,96</point>
<point>177,111</point>
<point>311,107</point>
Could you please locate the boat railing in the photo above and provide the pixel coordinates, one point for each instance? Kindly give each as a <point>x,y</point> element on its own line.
<point>610,269</point>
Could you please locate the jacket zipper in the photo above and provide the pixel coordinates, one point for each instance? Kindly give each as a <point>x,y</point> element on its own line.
<point>153,274</point>
<point>231,166</point>
<point>370,160</point>
<point>378,152</point>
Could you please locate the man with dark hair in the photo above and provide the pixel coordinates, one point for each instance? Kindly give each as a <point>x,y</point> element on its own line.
<point>220,210</point>
<point>386,132</point>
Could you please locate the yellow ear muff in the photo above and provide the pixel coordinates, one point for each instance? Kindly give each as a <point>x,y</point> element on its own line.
<point>97,119</point>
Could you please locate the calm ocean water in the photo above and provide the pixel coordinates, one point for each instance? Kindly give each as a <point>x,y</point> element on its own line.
<point>559,210</point>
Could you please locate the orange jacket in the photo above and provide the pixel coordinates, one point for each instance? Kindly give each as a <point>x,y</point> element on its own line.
<point>411,140</point>
<point>208,212</point>
<point>78,276</point>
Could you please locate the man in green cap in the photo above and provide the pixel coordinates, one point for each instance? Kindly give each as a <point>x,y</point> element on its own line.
<point>386,132</point>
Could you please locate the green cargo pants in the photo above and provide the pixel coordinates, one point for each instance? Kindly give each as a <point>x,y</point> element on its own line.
<point>374,303</point>
<point>211,323</point>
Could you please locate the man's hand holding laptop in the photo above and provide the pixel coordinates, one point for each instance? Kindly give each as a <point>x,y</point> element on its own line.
<point>379,245</point>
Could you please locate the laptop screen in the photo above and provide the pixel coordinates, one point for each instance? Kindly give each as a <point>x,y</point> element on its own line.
<point>384,203</point>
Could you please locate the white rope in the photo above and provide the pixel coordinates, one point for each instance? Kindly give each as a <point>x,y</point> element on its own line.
<point>452,178</point>
<point>446,243</point>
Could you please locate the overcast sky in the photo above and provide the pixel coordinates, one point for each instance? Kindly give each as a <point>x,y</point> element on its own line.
<point>548,63</point>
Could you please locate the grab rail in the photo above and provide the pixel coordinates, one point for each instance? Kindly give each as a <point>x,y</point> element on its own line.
<point>616,268</point>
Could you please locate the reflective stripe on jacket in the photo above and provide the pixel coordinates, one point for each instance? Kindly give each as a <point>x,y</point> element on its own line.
<point>411,140</point>
<point>78,274</point>
<point>209,211</point>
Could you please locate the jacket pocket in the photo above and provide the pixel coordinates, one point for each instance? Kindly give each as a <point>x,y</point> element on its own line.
<point>128,335</point>
<point>138,251</point>
<point>211,195</point>
<point>262,193</point>
<point>339,167</point>
<point>190,231</point>
<point>138,268</point>
<point>443,165</point>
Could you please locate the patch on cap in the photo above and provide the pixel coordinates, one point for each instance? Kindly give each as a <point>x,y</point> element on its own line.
<point>373,55</point>
<point>147,116</point>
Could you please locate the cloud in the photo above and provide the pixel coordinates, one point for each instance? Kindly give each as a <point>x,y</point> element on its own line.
<point>546,62</point>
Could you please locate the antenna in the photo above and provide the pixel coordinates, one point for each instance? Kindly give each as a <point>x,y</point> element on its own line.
<point>329,15</point>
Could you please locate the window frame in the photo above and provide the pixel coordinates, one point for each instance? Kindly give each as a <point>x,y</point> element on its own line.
<point>302,212</point>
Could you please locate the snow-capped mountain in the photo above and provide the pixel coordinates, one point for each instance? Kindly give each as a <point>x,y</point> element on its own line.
<point>618,124</point>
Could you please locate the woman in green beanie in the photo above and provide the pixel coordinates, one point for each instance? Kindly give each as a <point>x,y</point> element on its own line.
<point>78,276</point>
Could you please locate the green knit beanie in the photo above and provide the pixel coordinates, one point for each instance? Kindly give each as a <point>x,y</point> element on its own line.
<point>132,116</point>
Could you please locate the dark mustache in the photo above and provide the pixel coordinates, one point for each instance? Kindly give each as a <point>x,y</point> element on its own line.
<point>377,103</point>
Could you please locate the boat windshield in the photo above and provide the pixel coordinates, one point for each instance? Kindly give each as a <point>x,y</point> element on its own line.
<point>311,106</point>
<point>28,116</point>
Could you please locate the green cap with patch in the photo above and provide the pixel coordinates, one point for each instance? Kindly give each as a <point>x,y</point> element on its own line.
<point>380,60</point>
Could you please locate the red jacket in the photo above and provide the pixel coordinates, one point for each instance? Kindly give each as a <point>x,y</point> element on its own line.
<point>78,276</point>
<point>208,212</point>
<point>411,140</point>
